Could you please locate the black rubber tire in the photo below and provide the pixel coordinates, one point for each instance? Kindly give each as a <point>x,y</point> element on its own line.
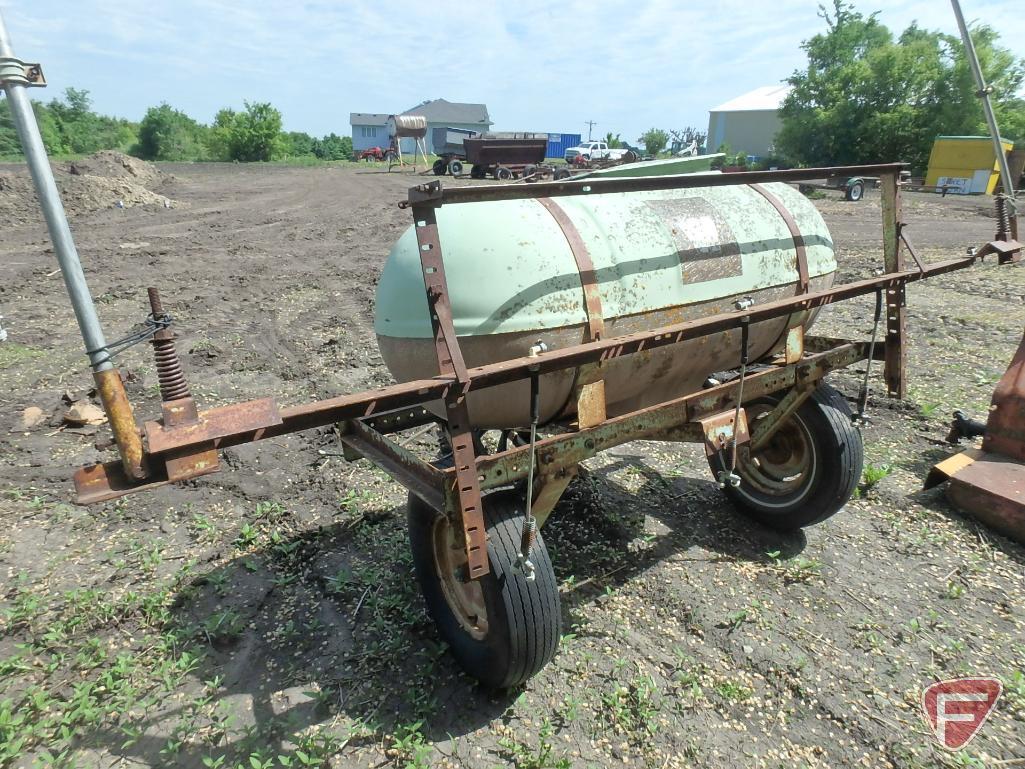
<point>524,618</point>
<point>855,191</point>
<point>529,172</point>
<point>439,167</point>
<point>455,167</point>
<point>561,173</point>
<point>837,460</point>
<point>503,174</point>
<point>476,172</point>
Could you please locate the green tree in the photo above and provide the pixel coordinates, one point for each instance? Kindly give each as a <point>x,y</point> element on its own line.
<point>82,130</point>
<point>333,147</point>
<point>168,134</point>
<point>866,96</point>
<point>255,133</point>
<point>10,145</point>
<point>298,144</point>
<point>613,141</point>
<point>218,137</point>
<point>69,125</point>
<point>654,140</point>
<point>79,126</point>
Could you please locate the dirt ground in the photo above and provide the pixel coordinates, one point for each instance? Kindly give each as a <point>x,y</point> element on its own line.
<point>267,616</point>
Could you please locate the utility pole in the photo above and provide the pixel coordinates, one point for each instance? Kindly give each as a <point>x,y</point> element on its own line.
<point>590,124</point>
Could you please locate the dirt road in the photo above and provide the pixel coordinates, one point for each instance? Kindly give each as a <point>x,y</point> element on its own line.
<point>270,610</point>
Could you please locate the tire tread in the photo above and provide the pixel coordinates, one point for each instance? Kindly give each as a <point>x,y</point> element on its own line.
<point>532,609</point>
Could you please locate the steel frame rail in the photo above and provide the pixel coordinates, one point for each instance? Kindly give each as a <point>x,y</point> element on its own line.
<point>433,194</point>
<point>256,420</point>
<point>674,420</point>
<point>458,490</point>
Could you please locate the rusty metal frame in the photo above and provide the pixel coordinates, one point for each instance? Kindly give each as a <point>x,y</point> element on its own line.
<point>421,478</point>
<point>674,420</point>
<point>769,424</point>
<point>366,418</point>
<point>469,511</point>
<point>434,194</point>
<point>226,432</point>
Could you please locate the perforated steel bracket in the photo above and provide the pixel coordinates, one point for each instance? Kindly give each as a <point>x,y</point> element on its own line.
<point>450,361</point>
<point>18,72</point>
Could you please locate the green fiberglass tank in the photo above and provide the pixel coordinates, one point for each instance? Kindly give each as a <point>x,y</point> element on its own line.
<point>659,257</point>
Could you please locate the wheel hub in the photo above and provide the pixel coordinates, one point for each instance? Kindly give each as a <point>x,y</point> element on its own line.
<point>781,467</point>
<point>464,596</point>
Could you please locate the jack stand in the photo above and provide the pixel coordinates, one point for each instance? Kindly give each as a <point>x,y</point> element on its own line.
<point>990,483</point>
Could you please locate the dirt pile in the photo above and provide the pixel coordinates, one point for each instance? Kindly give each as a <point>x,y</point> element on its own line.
<point>104,180</point>
<point>115,165</point>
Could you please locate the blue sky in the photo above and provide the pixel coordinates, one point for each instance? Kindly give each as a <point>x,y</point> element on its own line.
<point>539,66</point>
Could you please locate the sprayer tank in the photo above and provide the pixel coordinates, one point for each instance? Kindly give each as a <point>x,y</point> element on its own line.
<point>659,257</point>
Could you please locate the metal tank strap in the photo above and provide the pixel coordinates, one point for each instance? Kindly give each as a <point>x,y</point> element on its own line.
<point>795,233</point>
<point>588,398</point>
<point>588,279</point>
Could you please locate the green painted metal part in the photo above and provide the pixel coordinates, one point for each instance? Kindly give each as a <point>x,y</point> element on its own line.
<point>510,269</point>
<point>667,167</point>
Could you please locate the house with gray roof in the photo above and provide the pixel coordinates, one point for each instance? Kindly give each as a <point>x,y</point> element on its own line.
<point>369,129</point>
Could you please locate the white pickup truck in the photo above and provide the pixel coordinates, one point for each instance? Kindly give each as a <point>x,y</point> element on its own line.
<point>589,151</point>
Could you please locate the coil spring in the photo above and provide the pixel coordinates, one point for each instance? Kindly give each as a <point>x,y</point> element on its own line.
<point>169,370</point>
<point>527,536</point>
<point>1003,218</point>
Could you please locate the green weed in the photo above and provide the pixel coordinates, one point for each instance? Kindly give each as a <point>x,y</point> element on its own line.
<point>733,691</point>
<point>631,708</point>
<point>540,757</point>
<point>873,474</point>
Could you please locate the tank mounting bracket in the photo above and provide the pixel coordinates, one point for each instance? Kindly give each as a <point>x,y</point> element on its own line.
<point>467,502</point>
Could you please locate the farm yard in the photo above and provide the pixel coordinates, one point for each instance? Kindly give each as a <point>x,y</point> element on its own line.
<point>267,616</point>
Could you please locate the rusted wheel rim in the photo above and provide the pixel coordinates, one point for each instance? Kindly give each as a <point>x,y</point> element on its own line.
<point>784,465</point>
<point>464,597</point>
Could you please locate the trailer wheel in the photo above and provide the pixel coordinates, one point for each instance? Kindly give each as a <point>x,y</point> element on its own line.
<point>809,468</point>
<point>502,173</point>
<point>529,173</point>
<point>439,167</point>
<point>855,191</point>
<point>561,173</point>
<point>455,167</point>
<point>501,628</point>
<point>476,172</point>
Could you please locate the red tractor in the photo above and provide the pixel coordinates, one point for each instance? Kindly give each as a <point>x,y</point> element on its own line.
<point>377,154</point>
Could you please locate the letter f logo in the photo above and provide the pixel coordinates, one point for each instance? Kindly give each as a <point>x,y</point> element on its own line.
<point>956,709</point>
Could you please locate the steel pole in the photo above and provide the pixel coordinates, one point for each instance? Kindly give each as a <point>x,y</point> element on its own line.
<point>109,384</point>
<point>983,93</point>
<point>53,212</point>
